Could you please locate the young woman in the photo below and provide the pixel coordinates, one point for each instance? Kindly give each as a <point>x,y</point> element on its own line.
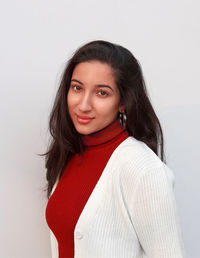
<point>110,191</point>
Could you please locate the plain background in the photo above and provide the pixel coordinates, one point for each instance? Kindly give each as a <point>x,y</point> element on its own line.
<point>37,38</point>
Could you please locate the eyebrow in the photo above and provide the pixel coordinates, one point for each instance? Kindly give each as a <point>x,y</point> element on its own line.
<point>98,85</point>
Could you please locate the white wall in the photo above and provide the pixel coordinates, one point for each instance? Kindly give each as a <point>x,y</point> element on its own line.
<point>37,37</point>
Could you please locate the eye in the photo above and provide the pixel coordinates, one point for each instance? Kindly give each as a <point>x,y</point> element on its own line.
<point>102,93</point>
<point>76,87</point>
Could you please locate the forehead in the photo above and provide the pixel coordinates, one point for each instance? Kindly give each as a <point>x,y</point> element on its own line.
<point>94,72</point>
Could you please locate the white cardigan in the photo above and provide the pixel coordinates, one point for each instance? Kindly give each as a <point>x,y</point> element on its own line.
<point>131,212</point>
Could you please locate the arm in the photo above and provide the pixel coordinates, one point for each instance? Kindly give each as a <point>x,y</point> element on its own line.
<point>154,215</point>
<point>53,240</point>
<point>54,245</point>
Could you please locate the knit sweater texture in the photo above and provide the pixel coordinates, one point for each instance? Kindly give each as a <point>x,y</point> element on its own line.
<point>129,210</point>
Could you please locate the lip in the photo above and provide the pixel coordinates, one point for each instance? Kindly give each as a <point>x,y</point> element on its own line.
<point>84,119</point>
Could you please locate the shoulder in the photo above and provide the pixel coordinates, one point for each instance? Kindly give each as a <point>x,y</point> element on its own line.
<point>134,159</point>
<point>137,152</point>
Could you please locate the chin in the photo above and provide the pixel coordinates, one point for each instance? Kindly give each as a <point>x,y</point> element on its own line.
<point>84,131</point>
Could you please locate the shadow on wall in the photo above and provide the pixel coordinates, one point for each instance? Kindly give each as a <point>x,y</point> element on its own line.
<point>181,127</point>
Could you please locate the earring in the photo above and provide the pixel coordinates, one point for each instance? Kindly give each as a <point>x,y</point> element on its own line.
<point>122,119</point>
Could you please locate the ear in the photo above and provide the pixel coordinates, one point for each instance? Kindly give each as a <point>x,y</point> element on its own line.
<point>121,108</point>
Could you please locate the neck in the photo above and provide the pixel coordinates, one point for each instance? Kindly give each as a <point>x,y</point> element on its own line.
<point>104,135</point>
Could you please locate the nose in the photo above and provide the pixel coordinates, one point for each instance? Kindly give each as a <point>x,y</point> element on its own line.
<point>85,104</point>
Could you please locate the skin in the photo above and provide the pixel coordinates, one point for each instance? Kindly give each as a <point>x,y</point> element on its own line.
<point>93,97</point>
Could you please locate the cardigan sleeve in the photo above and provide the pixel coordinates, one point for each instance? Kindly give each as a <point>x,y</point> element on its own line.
<point>53,240</point>
<point>54,245</point>
<point>154,215</point>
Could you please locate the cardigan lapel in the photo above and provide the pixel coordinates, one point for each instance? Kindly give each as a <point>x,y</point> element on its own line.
<point>96,195</point>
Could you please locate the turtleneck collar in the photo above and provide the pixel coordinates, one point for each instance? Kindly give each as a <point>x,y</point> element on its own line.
<point>104,135</point>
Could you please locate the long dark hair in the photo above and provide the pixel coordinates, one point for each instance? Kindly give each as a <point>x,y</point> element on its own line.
<point>142,122</point>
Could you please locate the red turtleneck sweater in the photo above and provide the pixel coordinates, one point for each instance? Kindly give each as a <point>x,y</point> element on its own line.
<point>77,183</point>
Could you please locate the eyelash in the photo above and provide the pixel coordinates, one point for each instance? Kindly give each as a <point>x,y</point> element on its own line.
<point>102,95</point>
<point>74,87</point>
<point>77,88</point>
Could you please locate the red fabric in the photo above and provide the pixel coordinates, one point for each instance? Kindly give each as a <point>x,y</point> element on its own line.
<point>77,183</point>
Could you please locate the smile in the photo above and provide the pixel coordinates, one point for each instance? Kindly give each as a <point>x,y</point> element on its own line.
<point>84,119</point>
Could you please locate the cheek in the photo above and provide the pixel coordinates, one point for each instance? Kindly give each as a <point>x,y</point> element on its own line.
<point>107,108</point>
<point>68,102</point>
<point>71,101</point>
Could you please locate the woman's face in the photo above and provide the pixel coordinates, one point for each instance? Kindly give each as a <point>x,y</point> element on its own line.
<point>93,97</point>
